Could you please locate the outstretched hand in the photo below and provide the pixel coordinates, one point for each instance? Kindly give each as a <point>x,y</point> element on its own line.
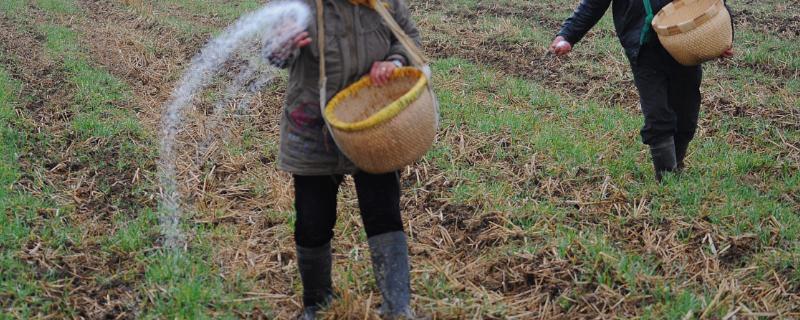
<point>280,56</point>
<point>560,46</point>
<point>301,40</point>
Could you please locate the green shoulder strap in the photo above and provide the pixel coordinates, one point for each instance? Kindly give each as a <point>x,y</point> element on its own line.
<point>648,20</point>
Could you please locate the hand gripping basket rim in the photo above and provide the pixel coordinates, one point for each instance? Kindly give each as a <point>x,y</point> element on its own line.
<point>386,113</point>
<point>685,26</point>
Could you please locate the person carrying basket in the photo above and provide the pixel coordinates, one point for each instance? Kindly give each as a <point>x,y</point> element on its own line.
<point>669,91</point>
<point>356,43</point>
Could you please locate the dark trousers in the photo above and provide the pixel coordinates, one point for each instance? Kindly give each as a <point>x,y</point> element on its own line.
<point>315,202</point>
<point>670,95</point>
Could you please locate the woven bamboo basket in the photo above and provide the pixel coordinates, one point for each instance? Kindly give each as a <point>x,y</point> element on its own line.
<point>383,129</point>
<point>694,31</point>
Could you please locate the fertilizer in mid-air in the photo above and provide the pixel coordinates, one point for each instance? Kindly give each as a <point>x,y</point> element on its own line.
<point>257,35</point>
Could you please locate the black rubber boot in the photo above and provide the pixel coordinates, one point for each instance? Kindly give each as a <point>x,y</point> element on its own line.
<point>390,264</point>
<point>315,272</point>
<point>681,147</point>
<point>664,158</point>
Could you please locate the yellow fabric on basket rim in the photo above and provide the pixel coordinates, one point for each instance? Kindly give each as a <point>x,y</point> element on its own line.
<point>388,112</point>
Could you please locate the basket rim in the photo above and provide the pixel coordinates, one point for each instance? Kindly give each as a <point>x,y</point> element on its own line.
<point>685,26</point>
<point>385,114</point>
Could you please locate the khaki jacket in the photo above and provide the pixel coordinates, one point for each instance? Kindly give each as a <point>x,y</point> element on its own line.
<point>355,37</point>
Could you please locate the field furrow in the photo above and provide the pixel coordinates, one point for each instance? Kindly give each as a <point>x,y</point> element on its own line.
<point>536,202</point>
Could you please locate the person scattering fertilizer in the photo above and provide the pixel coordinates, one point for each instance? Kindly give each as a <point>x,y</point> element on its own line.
<point>356,43</point>
<point>669,92</point>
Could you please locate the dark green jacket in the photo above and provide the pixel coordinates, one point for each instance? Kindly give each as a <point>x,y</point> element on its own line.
<point>355,38</point>
<point>629,17</point>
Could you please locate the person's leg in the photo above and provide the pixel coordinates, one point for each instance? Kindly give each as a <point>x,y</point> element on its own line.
<point>315,203</point>
<point>659,119</point>
<point>685,98</point>
<point>379,201</point>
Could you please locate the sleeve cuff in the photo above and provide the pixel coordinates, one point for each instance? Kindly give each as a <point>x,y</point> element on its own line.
<point>567,37</point>
<point>398,57</point>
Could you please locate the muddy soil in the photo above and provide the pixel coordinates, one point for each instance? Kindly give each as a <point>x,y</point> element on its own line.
<point>76,268</point>
<point>785,23</point>
<point>148,56</point>
<point>536,64</point>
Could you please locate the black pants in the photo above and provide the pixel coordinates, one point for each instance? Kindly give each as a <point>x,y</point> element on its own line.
<point>315,202</point>
<point>669,93</point>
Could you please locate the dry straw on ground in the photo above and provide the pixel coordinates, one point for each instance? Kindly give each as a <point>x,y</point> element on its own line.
<point>469,249</point>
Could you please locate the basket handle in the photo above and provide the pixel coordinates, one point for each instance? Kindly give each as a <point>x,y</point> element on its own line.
<point>415,54</point>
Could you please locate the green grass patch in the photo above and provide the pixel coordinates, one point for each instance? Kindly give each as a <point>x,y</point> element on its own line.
<point>20,209</point>
<point>58,6</point>
<point>578,138</point>
<point>189,286</point>
<point>13,8</point>
<point>564,173</point>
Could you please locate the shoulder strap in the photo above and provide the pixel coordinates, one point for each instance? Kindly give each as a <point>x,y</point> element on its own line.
<point>323,78</point>
<point>648,20</point>
<point>416,56</point>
